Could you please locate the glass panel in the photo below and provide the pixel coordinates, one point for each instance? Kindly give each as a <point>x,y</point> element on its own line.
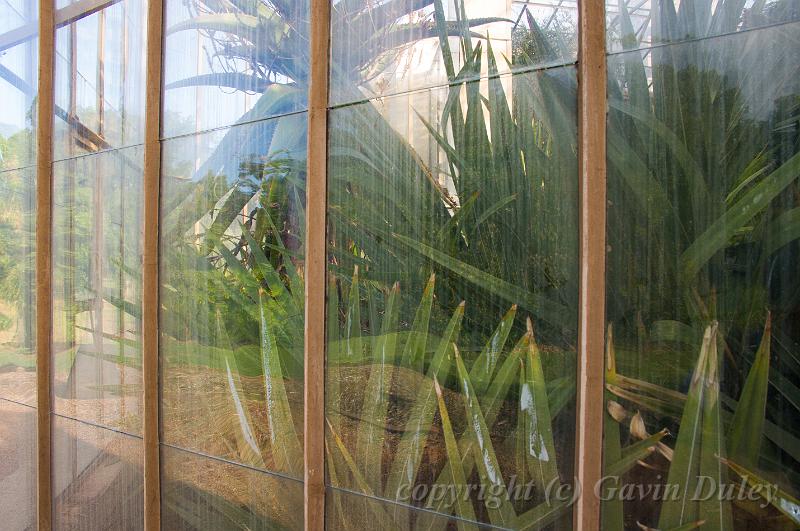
<point>97,478</point>
<point>17,286</point>
<point>16,13</point>
<point>97,249</point>
<point>17,466</point>
<point>345,510</point>
<point>465,238</point>
<point>99,80</point>
<point>703,160</point>
<point>643,23</point>
<point>65,3</point>
<point>232,248</point>
<point>200,493</point>
<point>385,47</point>
<point>230,62</point>
<point>18,441</point>
<point>18,85</point>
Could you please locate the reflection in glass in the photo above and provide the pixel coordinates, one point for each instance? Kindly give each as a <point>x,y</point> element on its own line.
<point>230,62</point>
<point>703,300</point>
<point>382,48</point>
<point>16,13</point>
<point>97,248</point>
<point>452,298</point>
<point>18,440</point>
<point>17,286</point>
<point>17,466</point>
<point>200,493</point>
<point>643,23</point>
<point>18,86</point>
<point>97,478</point>
<point>232,248</point>
<point>99,80</point>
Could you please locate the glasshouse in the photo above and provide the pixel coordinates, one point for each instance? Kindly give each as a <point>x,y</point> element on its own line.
<point>399,265</point>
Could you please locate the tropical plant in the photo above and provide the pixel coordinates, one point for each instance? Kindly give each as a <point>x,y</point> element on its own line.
<point>703,165</point>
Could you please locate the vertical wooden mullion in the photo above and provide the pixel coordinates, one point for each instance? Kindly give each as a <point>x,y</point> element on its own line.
<point>315,264</point>
<point>592,79</point>
<point>150,339</point>
<point>44,195</point>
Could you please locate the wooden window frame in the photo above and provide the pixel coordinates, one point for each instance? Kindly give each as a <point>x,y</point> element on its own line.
<point>592,79</point>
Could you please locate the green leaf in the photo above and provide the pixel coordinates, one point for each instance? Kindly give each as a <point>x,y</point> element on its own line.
<point>612,511</point>
<point>786,230</point>
<point>333,349</point>
<point>698,448</point>
<point>372,427</point>
<point>275,285</point>
<point>463,506</point>
<point>352,325</point>
<point>232,23</point>
<point>492,401</point>
<point>634,453</point>
<point>287,451</point>
<point>342,455</point>
<point>543,514</point>
<point>787,504</point>
<point>747,428</point>
<point>410,450</point>
<point>236,391</point>
<point>497,502</point>
<point>482,372</point>
<point>234,80</point>
<point>549,311</point>
<point>414,350</point>
<point>536,423</point>
<point>752,203</point>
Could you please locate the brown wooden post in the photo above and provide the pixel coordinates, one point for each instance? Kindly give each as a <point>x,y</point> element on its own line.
<point>44,201</point>
<point>150,332</point>
<point>592,79</point>
<point>315,264</point>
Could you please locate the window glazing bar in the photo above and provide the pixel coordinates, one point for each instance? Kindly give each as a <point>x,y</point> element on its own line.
<point>44,292</point>
<point>316,252</point>
<point>150,287</point>
<point>592,80</point>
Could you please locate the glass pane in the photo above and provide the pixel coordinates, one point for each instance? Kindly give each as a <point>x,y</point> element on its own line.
<point>97,478</point>
<point>345,510</point>
<point>703,299</point>
<point>16,13</point>
<point>97,250</point>
<point>200,493</point>
<point>232,243</point>
<point>18,84</point>
<point>17,466</point>
<point>385,47</point>
<point>100,80</point>
<point>644,23</point>
<point>18,441</point>
<point>18,286</point>
<point>455,226</point>
<point>232,62</point>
